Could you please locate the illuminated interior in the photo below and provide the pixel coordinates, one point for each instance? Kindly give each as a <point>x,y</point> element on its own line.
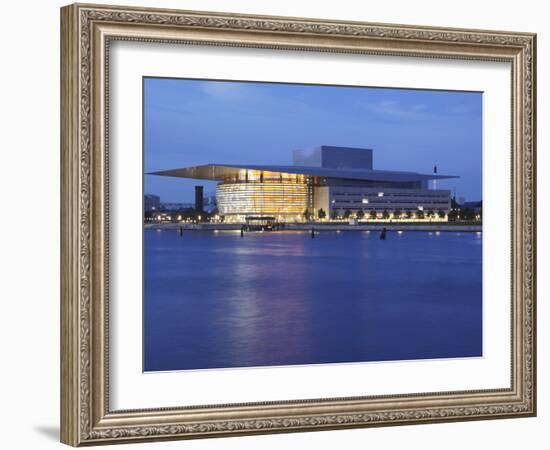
<point>266,198</point>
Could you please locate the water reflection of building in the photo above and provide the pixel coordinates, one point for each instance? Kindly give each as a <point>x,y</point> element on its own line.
<point>335,180</point>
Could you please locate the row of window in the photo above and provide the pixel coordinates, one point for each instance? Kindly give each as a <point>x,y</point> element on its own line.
<point>397,202</point>
<point>368,210</point>
<point>371,194</point>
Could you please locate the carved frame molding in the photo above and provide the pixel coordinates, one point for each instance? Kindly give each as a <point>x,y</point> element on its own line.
<point>86,32</point>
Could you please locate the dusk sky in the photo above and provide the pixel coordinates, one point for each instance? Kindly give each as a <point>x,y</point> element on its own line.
<point>193,122</point>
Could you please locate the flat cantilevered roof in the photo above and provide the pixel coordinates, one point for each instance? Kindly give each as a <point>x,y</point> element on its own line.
<point>222,172</point>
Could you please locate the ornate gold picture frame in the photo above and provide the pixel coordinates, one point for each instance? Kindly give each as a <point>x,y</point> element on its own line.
<point>87,31</point>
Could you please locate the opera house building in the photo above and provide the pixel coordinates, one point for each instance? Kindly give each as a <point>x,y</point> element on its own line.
<point>334,180</point>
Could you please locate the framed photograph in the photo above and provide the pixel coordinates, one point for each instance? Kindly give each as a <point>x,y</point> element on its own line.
<point>276,224</point>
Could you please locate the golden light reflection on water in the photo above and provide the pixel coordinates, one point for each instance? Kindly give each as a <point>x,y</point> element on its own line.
<point>281,309</point>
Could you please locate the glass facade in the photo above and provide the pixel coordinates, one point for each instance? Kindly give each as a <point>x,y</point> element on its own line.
<point>279,199</point>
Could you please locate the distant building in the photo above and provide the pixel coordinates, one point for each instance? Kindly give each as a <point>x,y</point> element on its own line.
<point>199,199</point>
<point>151,202</point>
<point>175,206</point>
<point>212,202</point>
<point>476,207</point>
<point>332,179</point>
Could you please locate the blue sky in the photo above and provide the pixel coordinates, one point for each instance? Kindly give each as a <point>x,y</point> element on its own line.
<point>192,122</point>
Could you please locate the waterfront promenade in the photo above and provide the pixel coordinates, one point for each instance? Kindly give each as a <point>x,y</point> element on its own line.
<point>320,226</point>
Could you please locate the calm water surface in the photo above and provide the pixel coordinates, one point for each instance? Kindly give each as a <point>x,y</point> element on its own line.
<point>217,300</point>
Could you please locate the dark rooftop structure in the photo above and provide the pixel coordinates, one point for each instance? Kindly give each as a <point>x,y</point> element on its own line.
<point>324,161</point>
<point>223,172</point>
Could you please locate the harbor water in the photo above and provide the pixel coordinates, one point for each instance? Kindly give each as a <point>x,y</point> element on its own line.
<point>214,299</point>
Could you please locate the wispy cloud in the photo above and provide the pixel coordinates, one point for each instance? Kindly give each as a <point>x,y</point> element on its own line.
<point>419,107</point>
<point>225,91</point>
<point>394,109</point>
<point>460,109</point>
<point>253,101</point>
